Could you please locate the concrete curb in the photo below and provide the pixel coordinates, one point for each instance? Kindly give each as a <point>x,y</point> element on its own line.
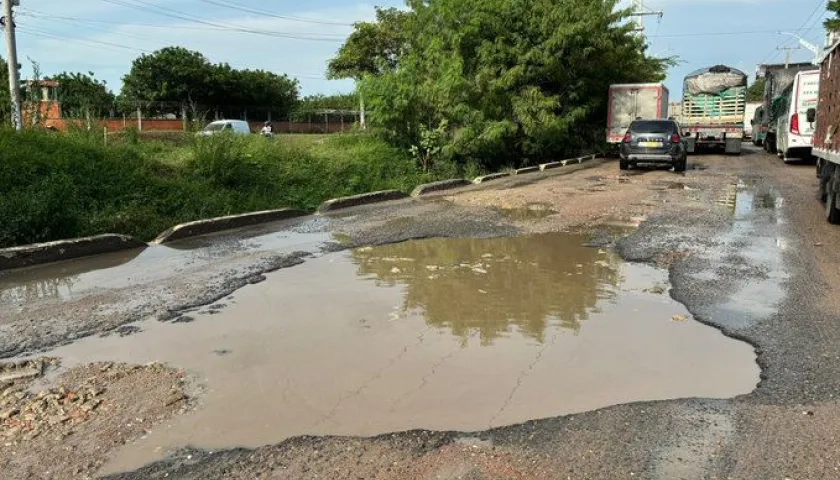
<point>363,199</point>
<point>48,252</point>
<point>527,170</point>
<point>439,186</point>
<point>213,225</point>
<point>550,165</point>
<point>492,176</point>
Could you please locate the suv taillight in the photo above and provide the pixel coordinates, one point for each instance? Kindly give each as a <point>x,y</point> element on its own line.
<point>628,138</point>
<point>676,138</point>
<point>794,124</point>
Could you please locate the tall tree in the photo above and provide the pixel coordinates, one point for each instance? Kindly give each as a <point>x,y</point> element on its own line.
<point>83,95</point>
<point>756,91</point>
<point>374,48</point>
<point>172,74</point>
<point>833,24</point>
<point>512,79</point>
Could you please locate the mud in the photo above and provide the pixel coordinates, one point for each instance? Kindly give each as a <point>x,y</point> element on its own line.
<point>441,334</point>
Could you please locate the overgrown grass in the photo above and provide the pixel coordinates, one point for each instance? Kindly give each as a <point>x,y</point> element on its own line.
<point>55,186</point>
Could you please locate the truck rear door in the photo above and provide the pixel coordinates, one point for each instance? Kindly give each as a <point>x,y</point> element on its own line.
<point>806,96</point>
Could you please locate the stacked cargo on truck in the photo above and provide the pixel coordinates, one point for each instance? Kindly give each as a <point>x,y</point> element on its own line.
<point>714,105</point>
<point>631,101</point>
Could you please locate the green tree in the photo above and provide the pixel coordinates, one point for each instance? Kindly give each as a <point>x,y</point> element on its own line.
<point>516,80</point>
<point>833,24</point>
<point>374,48</point>
<point>190,84</point>
<point>83,95</point>
<point>172,74</point>
<point>5,95</point>
<point>756,91</point>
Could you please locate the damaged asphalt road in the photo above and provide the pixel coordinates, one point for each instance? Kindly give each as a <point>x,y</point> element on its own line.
<point>747,252</point>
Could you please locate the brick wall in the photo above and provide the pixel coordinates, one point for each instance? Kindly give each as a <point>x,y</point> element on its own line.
<point>149,124</point>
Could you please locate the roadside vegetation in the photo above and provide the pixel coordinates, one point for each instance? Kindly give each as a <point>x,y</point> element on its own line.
<point>58,186</point>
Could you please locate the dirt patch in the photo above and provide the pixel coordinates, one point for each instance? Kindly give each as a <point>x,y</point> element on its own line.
<point>77,419</point>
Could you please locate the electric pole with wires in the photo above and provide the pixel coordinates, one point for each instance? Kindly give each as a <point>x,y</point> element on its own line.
<point>12,62</point>
<point>639,12</point>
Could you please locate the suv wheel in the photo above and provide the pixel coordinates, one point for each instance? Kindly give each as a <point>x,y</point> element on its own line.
<point>681,165</point>
<point>623,164</point>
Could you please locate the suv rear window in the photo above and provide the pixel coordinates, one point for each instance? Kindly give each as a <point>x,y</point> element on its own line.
<point>652,126</point>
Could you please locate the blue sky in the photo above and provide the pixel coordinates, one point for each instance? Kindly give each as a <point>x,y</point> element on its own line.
<point>104,36</point>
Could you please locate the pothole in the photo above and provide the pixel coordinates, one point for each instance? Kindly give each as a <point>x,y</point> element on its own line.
<point>442,334</point>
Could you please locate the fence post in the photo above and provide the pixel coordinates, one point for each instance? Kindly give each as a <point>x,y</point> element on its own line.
<point>139,119</point>
<point>105,129</point>
<point>327,121</point>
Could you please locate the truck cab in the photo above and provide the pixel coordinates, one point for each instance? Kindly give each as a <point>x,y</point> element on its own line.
<point>794,132</point>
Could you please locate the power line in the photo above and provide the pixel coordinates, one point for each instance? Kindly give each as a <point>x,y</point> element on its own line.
<point>54,36</point>
<point>711,34</point>
<point>220,28</point>
<point>243,8</point>
<point>167,12</point>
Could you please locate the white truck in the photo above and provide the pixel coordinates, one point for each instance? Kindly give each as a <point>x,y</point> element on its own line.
<point>794,133</point>
<point>631,101</point>
<point>749,119</point>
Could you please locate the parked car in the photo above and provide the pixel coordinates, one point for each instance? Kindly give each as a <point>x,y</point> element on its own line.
<point>236,127</point>
<point>654,142</point>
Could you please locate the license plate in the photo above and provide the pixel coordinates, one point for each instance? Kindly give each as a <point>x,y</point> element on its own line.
<point>650,144</point>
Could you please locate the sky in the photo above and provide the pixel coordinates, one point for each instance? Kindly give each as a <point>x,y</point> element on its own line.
<point>298,38</point>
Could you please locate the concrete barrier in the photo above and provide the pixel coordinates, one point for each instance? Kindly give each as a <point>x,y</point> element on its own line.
<point>492,176</point>
<point>39,253</point>
<point>550,165</point>
<point>427,188</point>
<point>527,170</point>
<point>213,225</point>
<point>363,199</point>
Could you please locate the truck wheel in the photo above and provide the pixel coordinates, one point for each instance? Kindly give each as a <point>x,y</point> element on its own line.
<point>832,214</point>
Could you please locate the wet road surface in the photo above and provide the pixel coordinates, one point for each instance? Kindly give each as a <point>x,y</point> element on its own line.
<point>494,326</point>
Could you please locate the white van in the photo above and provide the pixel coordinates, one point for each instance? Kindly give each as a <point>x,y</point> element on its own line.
<point>236,127</point>
<point>794,137</point>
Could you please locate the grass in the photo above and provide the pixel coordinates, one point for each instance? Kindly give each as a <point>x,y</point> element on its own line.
<point>56,185</point>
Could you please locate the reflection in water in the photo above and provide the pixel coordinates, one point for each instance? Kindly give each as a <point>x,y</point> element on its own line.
<point>470,285</point>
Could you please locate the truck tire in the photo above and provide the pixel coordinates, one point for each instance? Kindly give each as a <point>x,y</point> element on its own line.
<point>832,214</point>
<point>732,146</point>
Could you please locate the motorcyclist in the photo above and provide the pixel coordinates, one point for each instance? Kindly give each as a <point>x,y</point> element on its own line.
<point>267,130</point>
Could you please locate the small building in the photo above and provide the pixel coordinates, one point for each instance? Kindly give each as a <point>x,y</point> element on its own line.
<point>46,108</point>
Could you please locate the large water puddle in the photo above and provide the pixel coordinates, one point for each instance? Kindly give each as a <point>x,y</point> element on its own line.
<point>74,278</point>
<point>446,334</point>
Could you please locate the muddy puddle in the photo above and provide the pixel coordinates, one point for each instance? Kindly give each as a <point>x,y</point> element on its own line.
<point>444,334</point>
<point>71,279</point>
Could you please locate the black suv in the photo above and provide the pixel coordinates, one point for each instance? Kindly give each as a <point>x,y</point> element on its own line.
<point>653,141</point>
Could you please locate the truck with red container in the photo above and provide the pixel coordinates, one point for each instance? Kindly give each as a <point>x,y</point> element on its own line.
<point>631,101</point>
<point>826,141</point>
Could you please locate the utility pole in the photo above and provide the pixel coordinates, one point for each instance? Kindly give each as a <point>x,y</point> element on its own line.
<point>14,74</point>
<point>638,12</point>
<point>788,54</point>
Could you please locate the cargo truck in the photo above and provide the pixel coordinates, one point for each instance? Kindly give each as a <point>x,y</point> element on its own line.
<point>714,105</point>
<point>779,78</point>
<point>826,141</point>
<point>628,102</point>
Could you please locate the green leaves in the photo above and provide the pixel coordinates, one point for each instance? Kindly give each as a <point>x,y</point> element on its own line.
<point>833,24</point>
<point>184,77</point>
<point>514,79</point>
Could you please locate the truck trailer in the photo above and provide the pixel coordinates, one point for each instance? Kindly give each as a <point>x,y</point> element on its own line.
<point>714,105</point>
<point>826,141</point>
<point>779,77</point>
<point>630,101</point>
